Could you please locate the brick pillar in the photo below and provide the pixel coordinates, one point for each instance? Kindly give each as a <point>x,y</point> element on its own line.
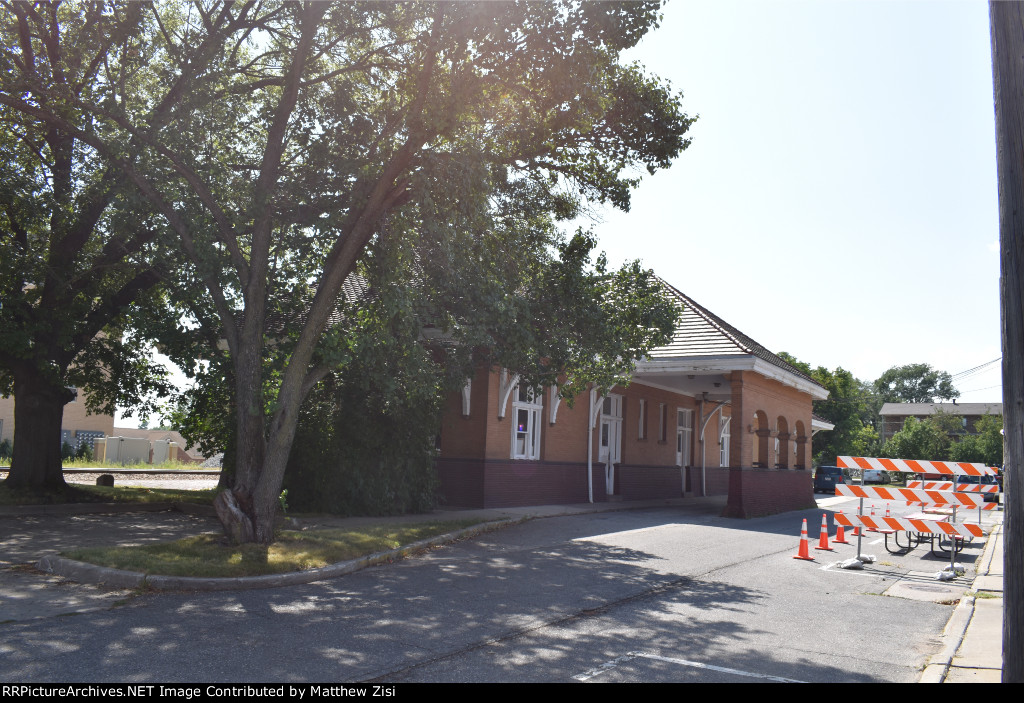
<point>741,448</point>
<point>741,443</point>
<point>801,452</point>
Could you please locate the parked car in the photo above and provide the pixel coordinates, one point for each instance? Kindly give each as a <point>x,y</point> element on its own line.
<point>875,476</point>
<point>826,478</point>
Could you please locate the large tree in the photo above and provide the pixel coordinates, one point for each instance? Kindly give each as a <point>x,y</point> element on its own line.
<point>986,446</point>
<point>311,130</point>
<point>914,383</point>
<point>77,245</point>
<point>849,407</point>
<point>926,439</point>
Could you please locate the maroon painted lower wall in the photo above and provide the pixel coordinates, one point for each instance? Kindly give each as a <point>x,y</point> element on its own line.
<point>759,492</point>
<point>647,482</point>
<point>461,483</point>
<point>476,483</point>
<point>716,481</point>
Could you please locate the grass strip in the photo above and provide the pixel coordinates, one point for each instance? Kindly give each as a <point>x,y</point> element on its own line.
<point>210,555</point>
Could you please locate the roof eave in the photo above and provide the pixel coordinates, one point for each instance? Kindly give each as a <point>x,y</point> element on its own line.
<point>729,363</point>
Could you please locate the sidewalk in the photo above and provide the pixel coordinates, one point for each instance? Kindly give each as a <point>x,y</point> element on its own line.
<point>973,651</point>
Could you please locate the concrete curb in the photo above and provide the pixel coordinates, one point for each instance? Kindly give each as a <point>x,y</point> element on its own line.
<point>952,637</point>
<point>956,629</point>
<point>90,573</point>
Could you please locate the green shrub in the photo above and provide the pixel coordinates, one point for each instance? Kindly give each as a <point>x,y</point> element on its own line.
<point>84,452</point>
<point>357,454</point>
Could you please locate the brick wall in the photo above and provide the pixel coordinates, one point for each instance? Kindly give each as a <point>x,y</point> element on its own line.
<point>475,468</point>
<point>752,395</point>
<point>759,492</point>
<point>461,436</point>
<point>647,482</point>
<point>461,482</point>
<point>716,480</point>
<point>502,484</point>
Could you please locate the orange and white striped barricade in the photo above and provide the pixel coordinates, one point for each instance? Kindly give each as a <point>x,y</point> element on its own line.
<point>912,495</point>
<point>989,489</point>
<point>956,532</point>
<point>916,466</point>
<point>950,486</point>
<point>919,497</point>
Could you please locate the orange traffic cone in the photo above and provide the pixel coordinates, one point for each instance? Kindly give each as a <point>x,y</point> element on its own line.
<point>823,540</point>
<point>872,529</point>
<point>803,553</point>
<point>840,533</point>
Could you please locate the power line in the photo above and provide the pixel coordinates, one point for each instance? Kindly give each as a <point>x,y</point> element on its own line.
<point>983,389</point>
<point>975,369</point>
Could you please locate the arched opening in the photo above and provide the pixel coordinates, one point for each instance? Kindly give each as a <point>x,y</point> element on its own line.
<point>782,448</point>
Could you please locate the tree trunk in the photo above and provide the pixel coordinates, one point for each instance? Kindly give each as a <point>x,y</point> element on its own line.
<point>249,508</point>
<point>234,506</point>
<point>38,414</point>
<point>1006,21</point>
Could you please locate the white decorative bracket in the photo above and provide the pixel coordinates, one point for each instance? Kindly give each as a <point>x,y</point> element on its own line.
<point>466,391</point>
<point>707,418</point>
<point>596,404</point>
<point>508,382</point>
<point>556,400</point>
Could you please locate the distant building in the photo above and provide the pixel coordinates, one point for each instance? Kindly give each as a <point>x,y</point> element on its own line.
<point>895,414</point>
<point>77,426</point>
<point>191,456</point>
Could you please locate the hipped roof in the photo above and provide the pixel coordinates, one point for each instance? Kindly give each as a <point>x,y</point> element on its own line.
<point>701,333</point>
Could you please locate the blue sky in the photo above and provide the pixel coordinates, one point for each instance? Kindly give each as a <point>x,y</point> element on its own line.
<point>839,198</point>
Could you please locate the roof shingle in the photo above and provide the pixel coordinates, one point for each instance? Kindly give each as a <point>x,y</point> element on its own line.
<point>702,333</point>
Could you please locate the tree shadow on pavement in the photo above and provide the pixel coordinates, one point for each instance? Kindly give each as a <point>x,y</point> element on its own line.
<point>508,612</point>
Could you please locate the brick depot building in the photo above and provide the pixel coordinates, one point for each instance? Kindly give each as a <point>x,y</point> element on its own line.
<point>711,413</point>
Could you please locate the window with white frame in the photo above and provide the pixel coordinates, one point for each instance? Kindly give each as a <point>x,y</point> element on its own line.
<point>611,429</point>
<point>724,439</point>
<point>684,436</point>
<point>526,414</point>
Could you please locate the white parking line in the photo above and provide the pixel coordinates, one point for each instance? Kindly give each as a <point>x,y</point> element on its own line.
<point>855,572</point>
<point>608,666</point>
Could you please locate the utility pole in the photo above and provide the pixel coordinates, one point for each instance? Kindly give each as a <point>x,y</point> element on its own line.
<point>1006,22</point>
